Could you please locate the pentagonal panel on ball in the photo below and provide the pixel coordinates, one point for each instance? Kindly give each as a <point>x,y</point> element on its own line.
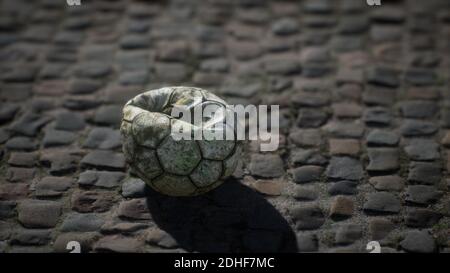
<point>146,163</point>
<point>214,144</point>
<point>216,149</point>
<point>206,173</point>
<point>149,128</point>
<point>178,156</point>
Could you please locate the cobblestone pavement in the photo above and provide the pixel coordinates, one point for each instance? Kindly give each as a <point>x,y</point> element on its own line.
<point>363,90</point>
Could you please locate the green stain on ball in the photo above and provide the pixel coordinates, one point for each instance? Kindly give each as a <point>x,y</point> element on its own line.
<point>175,168</point>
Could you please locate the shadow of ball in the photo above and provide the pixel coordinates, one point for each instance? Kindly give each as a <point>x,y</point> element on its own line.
<point>231,218</point>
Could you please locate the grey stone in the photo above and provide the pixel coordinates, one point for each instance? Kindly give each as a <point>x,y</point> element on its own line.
<point>104,160</point>
<point>385,33</point>
<point>343,188</point>
<point>4,135</point>
<point>241,90</point>
<point>420,76</point>
<point>422,195</point>
<point>306,138</point>
<point>133,188</point>
<point>108,115</point>
<point>379,228</point>
<point>51,186</point>
<point>445,117</point>
<point>382,138</point>
<point>103,138</point>
<point>341,208</point>
<point>346,43</point>
<point>39,213</point>
<point>7,209</point>
<point>69,37</point>
<point>411,128</point>
<point>78,222</point>
<point>345,168</point>
<point>84,86</point>
<point>92,201</point>
<point>171,72</point>
<point>307,243</point>
<point>384,76</point>
<point>102,179</point>
<point>80,102</point>
<point>111,227</point>
<point>307,217</point>
<point>60,162</point>
<point>30,236</point>
<point>7,112</point>
<point>419,242</point>
<point>29,124</point>
<point>425,173</point>
<point>22,159</point>
<point>215,65</point>
<point>381,203</point>
<point>176,51</point>
<point>54,138</point>
<point>5,231</point>
<point>285,26</point>
<point>311,118</point>
<point>387,183</point>
<point>353,25</point>
<point>307,174</point>
<point>131,78</point>
<point>348,234</point>
<point>53,70</point>
<point>422,218</point>
<point>20,73</point>
<point>318,7</point>
<point>392,15</point>
<point>21,143</point>
<point>20,174</point>
<point>383,159</point>
<point>379,116</point>
<point>266,165</point>
<point>418,109</point>
<point>160,238</point>
<point>422,150</point>
<point>136,209</point>
<point>117,243</point>
<point>378,96</point>
<point>69,121</point>
<point>134,41</point>
<point>310,99</point>
<point>93,69</point>
<point>131,61</point>
<point>307,157</point>
<point>305,194</point>
<point>13,191</point>
<point>315,55</point>
<point>345,129</point>
<point>282,66</point>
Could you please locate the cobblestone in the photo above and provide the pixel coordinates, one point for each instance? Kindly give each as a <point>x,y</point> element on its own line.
<point>419,241</point>
<point>22,159</point>
<point>39,214</point>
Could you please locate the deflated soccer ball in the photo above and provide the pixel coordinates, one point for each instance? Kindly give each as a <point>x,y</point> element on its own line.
<point>167,164</point>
